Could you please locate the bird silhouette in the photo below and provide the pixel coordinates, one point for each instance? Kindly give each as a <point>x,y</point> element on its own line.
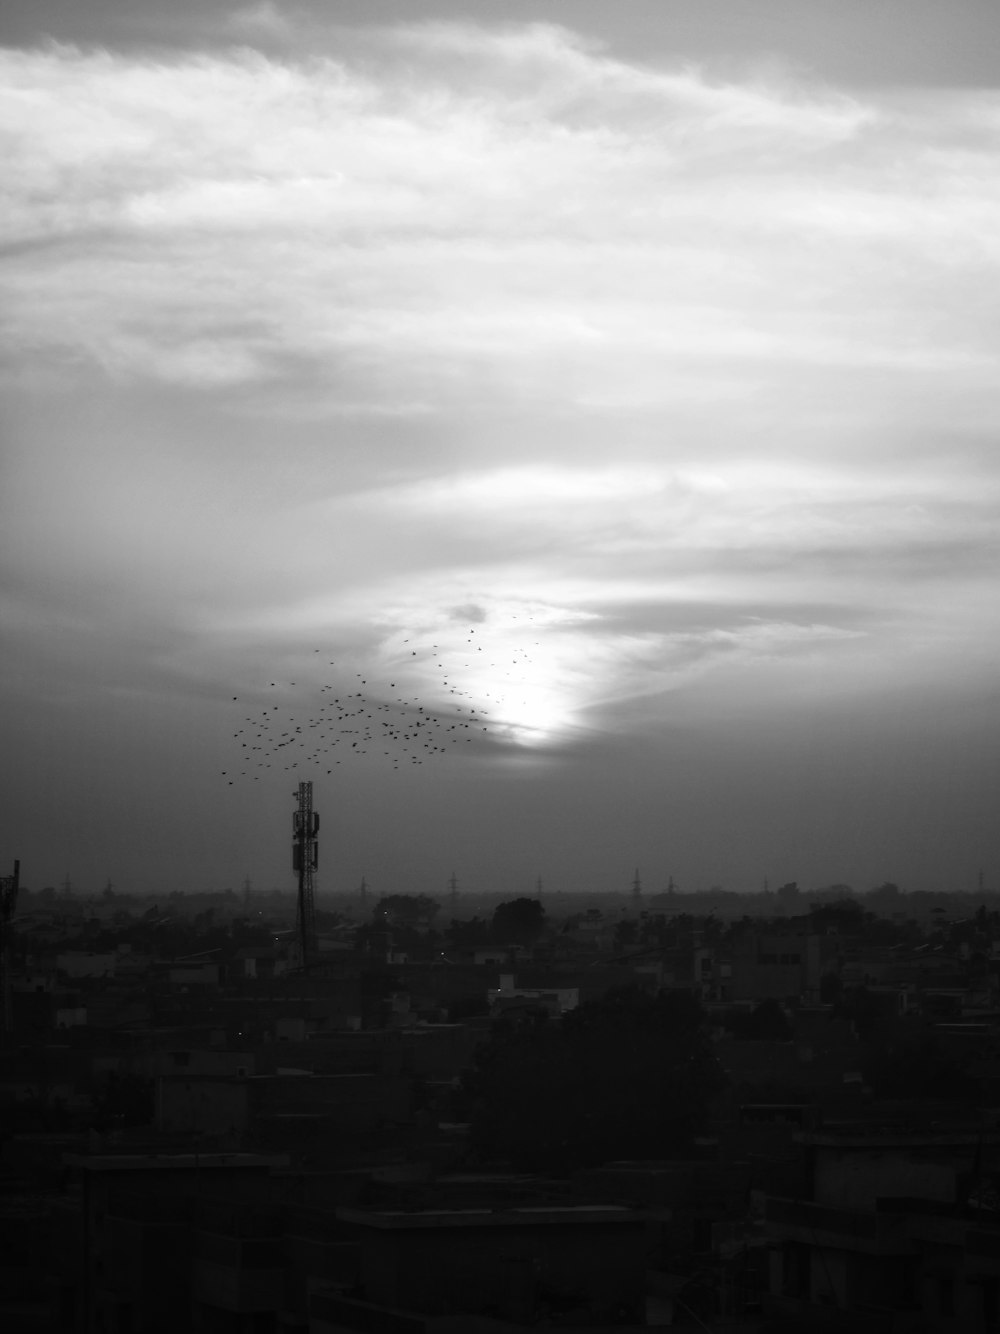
<point>379,722</point>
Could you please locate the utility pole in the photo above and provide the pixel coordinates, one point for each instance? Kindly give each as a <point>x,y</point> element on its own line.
<point>305,861</point>
<point>8,902</point>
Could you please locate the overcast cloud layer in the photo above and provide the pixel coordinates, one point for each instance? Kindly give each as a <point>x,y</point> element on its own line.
<point>681,388</point>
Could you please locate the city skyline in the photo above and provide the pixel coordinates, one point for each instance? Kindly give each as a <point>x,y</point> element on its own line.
<point>564,434</point>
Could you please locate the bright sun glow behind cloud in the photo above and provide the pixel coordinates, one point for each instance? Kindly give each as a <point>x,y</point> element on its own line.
<point>509,666</point>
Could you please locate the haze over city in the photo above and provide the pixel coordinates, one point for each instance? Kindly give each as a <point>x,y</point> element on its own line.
<point>610,390</point>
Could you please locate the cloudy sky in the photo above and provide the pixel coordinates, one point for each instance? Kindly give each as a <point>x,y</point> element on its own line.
<point>625,372</point>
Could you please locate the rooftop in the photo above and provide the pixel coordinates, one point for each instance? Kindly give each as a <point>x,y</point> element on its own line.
<point>884,1137</point>
<point>519,1216</point>
<point>165,1162</point>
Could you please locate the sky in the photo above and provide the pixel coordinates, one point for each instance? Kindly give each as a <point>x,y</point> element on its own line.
<point>610,389</point>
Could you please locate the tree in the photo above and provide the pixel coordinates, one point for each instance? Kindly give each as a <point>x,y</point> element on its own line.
<point>468,934</point>
<point>627,1076</point>
<point>519,921</point>
<point>917,1067</point>
<point>887,890</point>
<point>846,916</point>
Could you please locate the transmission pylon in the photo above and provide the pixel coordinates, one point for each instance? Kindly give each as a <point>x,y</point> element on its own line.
<point>305,861</point>
<point>636,886</point>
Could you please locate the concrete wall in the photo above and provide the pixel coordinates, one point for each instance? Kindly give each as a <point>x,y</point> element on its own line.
<point>79,963</point>
<point>206,1105</point>
<point>358,1102</point>
<point>855,1178</point>
<point>195,1062</point>
<point>194,975</point>
<point>503,1270</point>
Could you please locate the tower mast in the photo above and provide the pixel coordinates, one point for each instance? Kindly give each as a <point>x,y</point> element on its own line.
<point>305,861</point>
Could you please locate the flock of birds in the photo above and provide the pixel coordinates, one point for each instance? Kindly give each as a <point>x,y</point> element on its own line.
<point>346,723</point>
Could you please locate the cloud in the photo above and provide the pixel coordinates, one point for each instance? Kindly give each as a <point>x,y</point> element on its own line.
<point>515,213</point>
<point>678,366</point>
<point>263,19</point>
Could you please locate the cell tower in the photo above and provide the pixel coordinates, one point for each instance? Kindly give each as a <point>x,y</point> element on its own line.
<point>8,902</point>
<point>305,862</point>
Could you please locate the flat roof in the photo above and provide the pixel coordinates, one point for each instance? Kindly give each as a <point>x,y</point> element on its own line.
<point>887,1139</point>
<point>165,1162</point>
<point>518,1216</point>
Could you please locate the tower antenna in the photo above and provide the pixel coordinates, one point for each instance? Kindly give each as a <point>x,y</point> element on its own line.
<point>305,861</point>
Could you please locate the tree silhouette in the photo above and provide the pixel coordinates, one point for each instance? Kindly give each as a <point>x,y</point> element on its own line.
<point>626,1076</point>
<point>469,934</point>
<point>917,1067</point>
<point>518,921</point>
